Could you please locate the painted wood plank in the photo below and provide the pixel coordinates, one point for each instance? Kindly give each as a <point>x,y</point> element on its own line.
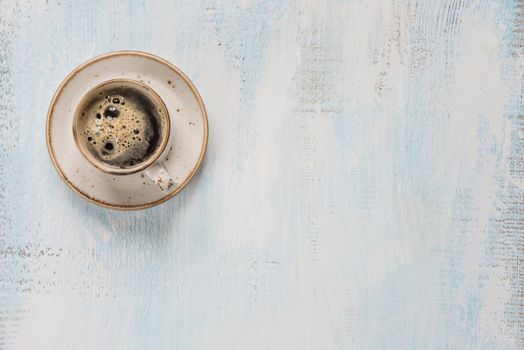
<point>363,186</point>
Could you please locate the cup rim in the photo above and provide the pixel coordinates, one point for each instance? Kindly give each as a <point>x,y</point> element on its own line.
<point>113,170</point>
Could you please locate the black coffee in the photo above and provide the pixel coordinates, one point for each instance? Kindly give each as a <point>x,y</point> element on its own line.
<point>120,126</point>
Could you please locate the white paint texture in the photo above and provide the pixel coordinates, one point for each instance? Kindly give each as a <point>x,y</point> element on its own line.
<point>363,186</point>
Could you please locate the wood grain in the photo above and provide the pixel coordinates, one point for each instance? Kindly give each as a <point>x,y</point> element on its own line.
<point>363,186</point>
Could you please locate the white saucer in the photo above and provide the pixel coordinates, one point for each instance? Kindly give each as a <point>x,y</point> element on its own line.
<point>188,119</point>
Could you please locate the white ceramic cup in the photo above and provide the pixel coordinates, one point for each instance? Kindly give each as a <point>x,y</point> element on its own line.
<point>105,127</point>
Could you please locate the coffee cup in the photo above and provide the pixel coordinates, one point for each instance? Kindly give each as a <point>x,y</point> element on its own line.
<point>122,127</point>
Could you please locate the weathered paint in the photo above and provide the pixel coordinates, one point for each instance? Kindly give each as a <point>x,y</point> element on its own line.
<point>363,186</point>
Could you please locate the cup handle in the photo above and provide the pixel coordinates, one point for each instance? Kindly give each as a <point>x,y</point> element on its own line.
<point>158,173</point>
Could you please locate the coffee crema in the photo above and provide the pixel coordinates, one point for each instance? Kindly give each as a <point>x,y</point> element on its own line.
<point>120,126</point>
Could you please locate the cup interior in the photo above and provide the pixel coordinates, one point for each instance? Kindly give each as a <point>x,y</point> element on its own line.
<point>121,126</point>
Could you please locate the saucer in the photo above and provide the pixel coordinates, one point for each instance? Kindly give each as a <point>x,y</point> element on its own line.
<point>188,124</point>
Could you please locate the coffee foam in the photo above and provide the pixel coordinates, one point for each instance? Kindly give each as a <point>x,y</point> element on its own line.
<point>120,127</point>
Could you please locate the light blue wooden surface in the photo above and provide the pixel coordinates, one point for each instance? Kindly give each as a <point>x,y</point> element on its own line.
<point>363,186</point>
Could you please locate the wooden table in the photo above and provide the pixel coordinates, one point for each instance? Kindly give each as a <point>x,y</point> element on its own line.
<point>363,186</point>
